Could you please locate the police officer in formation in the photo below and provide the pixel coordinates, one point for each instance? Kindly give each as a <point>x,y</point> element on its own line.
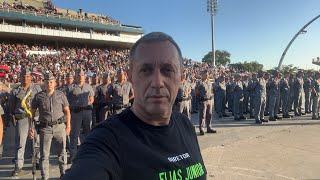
<point>22,122</point>
<point>120,93</point>
<point>252,93</point>
<point>267,77</point>
<point>260,97</point>
<point>54,123</point>
<point>103,109</point>
<point>229,94</point>
<point>274,96</point>
<point>246,94</point>
<point>205,93</point>
<point>285,94</point>
<point>315,92</point>
<point>291,84</point>
<point>307,91</point>
<point>182,102</point>
<point>80,97</point>
<point>220,91</point>
<point>298,94</point>
<point>237,90</point>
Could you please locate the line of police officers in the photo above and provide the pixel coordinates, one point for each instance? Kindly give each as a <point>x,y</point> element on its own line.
<point>74,105</point>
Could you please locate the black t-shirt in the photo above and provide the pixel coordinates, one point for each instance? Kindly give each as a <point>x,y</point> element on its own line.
<point>126,148</point>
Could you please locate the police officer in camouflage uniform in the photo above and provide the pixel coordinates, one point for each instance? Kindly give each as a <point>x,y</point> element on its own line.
<point>182,102</point>
<point>307,91</point>
<point>205,93</point>
<point>274,96</point>
<point>252,93</point>
<point>104,108</point>
<point>285,95</point>
<point>81,97</point>
<point>54,123</point>
<point>237,90</point>
<point>315,90</point>
<point>260,97</point>
<point>220,91</point>
<point>22,124</point>
<point>298,94</point>
<point>120,93</point>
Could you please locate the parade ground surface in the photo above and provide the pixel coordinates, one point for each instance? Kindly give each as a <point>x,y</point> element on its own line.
<point>284,149</point>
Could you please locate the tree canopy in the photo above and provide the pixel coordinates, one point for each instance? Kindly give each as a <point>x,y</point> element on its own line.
<point>252,66</point>
<point>222,58</point>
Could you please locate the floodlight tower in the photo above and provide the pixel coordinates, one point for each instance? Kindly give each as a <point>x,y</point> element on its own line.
<point>212,9</point>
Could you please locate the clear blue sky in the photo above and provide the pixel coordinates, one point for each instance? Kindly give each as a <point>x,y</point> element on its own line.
<point>249,29</point>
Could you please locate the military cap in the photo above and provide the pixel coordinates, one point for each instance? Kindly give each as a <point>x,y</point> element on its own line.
<point>94,75</point>
<point>79,71</point>
<point>25,71</point>
<point>69,75</point>
<point>49,76</point>
<point>105,75</point>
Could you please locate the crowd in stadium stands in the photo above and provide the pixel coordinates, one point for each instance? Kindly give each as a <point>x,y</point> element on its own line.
<point>53,11</point>
<point>41,58</point>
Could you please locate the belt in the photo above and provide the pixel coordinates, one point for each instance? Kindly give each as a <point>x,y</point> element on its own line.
<point>20,116</point>
<point>205,99</point>
<point>183,99</point>
<point>79,109</point>
<point>43,124</point>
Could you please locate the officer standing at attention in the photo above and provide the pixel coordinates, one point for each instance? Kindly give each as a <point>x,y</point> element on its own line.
<point>252,92</point>
<point>182,103</point>
<point>315,90</point>
<point>205,93</point>
<point>95,84</point>
<point>120,93</point>
<point>237,90</point>
<point>246,94</point>
<point>260,97</point>
<point>298,94</point>
<point>80,97</point>
<point>220,90</point>
<point>22,124</point>
<point>54,123</point>
<point>285,94</point>
<point>307,91</point>
<point>103,105</point>
<point>267,77</point>
<point>274,96</point>
<point>291,83</point>
<point>229,94</point>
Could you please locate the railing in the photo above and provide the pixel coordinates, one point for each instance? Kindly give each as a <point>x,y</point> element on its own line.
<point>100,21</point>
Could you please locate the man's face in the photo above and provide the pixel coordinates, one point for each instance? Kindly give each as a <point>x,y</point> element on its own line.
<point>49,84</point>
<point>106,80</point>
<point>155,76</point>
<point>204,75</point>
<point>26,79</point>
<point>80,78</point>
<point>70,80</point>
<point>120,76</point>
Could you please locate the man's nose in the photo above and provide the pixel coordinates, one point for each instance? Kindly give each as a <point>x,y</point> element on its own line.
<point>157,79</point>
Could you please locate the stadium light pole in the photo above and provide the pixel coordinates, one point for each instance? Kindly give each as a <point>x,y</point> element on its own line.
<point>212,9</point>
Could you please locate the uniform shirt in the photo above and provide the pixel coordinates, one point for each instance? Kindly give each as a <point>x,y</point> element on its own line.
<point>260,87</point>
<point>183,90</point>
<point>205,89</point>
<point>245,87</point>
<point>51,107</point>
<point>238,89</point>
<point>126,148</point>
<point>307,84</point>
<point>101,95</point>
<point>274,87</point>
<point>298,85</point>
<point>220,88</point>
<point>120,93</point>
<point>17,94</point>
<point>62,88</point>
<point>284,86</point>
<point>251,87</point>
<point>316,85</point>
<point>79,97</point>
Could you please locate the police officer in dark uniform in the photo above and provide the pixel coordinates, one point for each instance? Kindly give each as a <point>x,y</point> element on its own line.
<point>81,97</point>
<point>120,93</point>
<point>22,124</point>
<point>315,90</point>
<point>104,108</point>
<point>95,84</point>
<point>220,91</point>
<point>54,123</point>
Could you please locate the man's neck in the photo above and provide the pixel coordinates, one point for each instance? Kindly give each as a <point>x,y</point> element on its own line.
<point>26,86</point>
<point>50,92</point>
<point>159,121</point>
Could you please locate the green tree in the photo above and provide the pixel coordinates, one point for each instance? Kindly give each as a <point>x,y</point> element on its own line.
<point>222,58</point>
<point>252,66</point>
<point>289,68</point>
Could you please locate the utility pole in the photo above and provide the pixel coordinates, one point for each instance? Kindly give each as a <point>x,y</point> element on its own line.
<point>212,9</point>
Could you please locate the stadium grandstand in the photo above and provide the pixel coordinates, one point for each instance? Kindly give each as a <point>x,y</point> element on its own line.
<point>41,36</point>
